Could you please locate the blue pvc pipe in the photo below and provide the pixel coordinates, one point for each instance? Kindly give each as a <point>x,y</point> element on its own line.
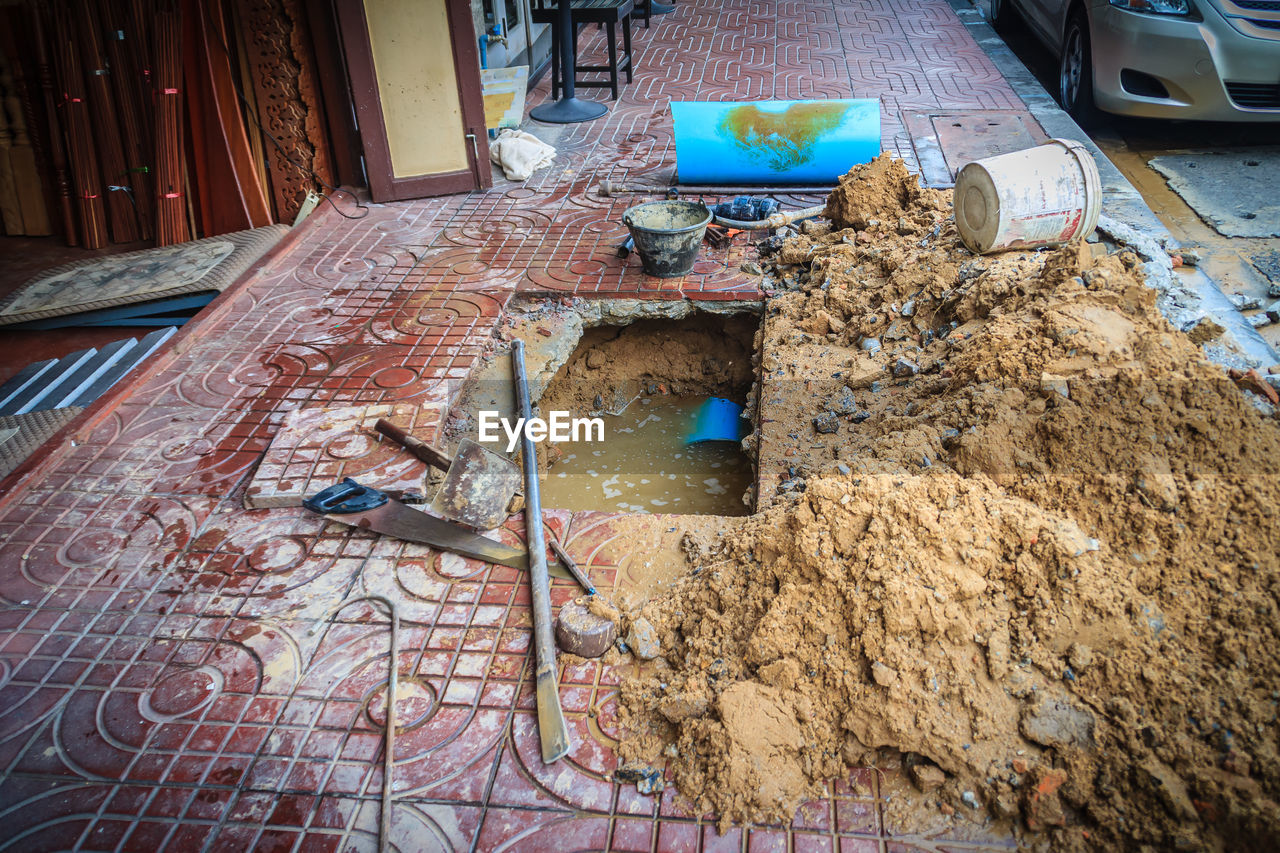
<point>717,419</point>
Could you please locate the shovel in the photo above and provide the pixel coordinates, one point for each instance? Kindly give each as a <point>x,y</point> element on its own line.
<point>478,483</point>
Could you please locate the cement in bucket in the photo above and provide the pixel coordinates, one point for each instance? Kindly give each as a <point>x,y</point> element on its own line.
<point>667,235</point>
<point>1043,196</point>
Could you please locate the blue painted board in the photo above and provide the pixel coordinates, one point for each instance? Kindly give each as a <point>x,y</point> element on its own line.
<point>773,142</point>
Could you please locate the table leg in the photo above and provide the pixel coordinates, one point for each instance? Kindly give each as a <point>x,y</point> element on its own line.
<point>568,109</point>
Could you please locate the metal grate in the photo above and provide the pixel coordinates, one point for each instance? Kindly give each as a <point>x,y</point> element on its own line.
<point>1258,5</point>
<point>1255,96</point>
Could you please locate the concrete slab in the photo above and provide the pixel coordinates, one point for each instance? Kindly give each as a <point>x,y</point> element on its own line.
<point>1237,193</point>
<point>1268,263</point>
<point>550,332</point>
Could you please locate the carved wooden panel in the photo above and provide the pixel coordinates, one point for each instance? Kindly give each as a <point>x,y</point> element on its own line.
<point>282,65</point>
<point>309,87</point>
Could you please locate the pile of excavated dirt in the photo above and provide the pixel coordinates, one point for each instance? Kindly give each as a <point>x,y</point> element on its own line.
<point>881,190</point>
<point>1025,544</point>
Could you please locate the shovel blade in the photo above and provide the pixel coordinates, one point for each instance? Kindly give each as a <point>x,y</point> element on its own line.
<point>478,487</point>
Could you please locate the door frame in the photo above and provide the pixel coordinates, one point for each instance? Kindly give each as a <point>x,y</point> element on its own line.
<point>383,184</point>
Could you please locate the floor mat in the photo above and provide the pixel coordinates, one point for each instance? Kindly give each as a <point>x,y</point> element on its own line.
<point>199,266</point>
<point>20,435</point>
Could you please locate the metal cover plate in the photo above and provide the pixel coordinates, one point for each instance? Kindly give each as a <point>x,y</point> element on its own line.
<point>944,142</point>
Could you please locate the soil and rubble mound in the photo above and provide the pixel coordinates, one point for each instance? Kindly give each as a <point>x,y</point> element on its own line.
<point>706,355</point>
<point>1023,539</point>
<point>879,190</point>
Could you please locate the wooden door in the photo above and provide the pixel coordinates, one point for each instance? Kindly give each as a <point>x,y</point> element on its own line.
<point>415,80</point>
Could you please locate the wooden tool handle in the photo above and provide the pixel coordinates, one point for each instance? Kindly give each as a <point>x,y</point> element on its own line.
<point>419,448</point>
<point>572,566</point>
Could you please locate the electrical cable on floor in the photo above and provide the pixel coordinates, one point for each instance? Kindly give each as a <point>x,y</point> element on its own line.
<point>389,752</point>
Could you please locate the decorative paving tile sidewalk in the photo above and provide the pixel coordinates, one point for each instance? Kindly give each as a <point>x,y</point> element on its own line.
<point>167,677</point>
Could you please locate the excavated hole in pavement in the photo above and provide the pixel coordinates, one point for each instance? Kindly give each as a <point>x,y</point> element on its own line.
<point>643,366</point>
<point>646,380</point>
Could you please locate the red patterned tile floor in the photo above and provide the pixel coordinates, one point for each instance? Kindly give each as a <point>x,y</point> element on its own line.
<point>167,679</point>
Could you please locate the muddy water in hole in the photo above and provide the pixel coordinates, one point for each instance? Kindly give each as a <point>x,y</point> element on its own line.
<point>643,465</point>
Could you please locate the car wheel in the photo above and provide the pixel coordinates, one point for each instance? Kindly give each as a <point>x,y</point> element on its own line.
<point>1075,72</point>
<point>1000,14</point>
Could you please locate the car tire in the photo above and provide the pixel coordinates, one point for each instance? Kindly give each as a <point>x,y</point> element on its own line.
<point>1075,71</point>
<point>1000,15</point>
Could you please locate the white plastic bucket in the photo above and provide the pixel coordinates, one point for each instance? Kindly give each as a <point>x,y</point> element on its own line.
<point>1043,196</point>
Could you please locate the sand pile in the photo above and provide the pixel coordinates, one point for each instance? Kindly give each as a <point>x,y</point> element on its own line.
<point>1026,544</point>
<point>707,355</point>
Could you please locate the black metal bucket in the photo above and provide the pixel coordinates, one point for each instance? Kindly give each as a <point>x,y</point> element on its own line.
<point>667,235</point>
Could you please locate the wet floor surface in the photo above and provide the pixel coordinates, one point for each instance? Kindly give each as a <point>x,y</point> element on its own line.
<point>1239,265</point>
<point>1246,265</point>
<point>645,465</point>
<point>165,678</point>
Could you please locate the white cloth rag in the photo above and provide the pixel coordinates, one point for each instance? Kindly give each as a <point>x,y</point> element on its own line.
<point>520,154</point>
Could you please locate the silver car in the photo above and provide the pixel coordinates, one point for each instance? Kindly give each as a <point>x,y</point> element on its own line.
<point>1210,60</point>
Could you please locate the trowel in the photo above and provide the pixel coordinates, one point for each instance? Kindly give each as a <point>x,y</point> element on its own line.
<point>478,483</point>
